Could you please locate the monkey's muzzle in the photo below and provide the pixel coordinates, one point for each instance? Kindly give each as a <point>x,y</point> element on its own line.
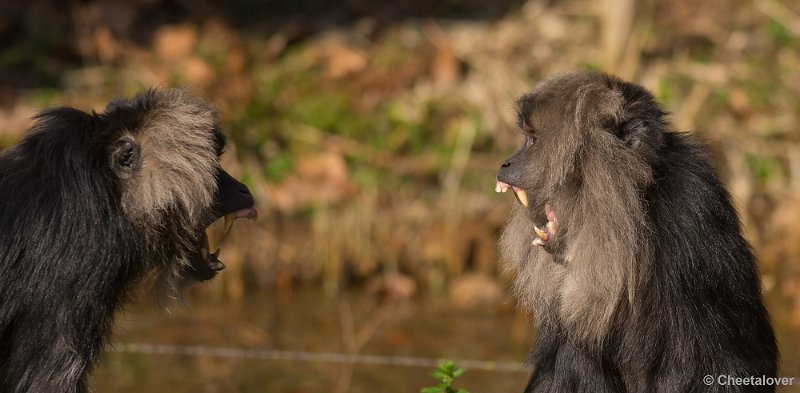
<point>548,231</point>
<point>519,192</point>
<point>232,202</point>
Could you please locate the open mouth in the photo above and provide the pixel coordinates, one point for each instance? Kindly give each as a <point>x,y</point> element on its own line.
<point>548,231</point>
<point>545,234</point>
<point>206,263</point>
<point>519,192</point>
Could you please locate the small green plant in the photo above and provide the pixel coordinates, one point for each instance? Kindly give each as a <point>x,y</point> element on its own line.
<point>446,374</point>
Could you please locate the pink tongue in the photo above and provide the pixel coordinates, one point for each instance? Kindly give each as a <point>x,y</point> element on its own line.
<point>215,264</point>
<point>250,213</point>
<point>548,211</point>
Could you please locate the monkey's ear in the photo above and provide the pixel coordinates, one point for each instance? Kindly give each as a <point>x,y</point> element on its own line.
<point>126,158</point>
<point>631,132</point>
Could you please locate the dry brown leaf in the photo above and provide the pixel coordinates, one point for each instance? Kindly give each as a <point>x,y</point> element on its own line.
<point>105,44</point>
<point>317,179</point>
<point>174,42</point>
<point>342,60</point>
<point>15,121</point>
<point>197,72</point>
<point>445,66</point>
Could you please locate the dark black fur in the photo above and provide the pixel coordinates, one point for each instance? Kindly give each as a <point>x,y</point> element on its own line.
<point>58,291</point>
<point>697,309</point>
<point>68,253</point>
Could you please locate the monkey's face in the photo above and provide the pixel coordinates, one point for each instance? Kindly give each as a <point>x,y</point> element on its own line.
<point>165,157</point>
<point>592,145</point>
<point>522,173</point>
<point>574,127</point>
<point>530,173</point>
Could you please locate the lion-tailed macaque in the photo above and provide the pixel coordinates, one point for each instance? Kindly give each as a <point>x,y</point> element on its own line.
<point>627,249</point>
<point>90,205</point>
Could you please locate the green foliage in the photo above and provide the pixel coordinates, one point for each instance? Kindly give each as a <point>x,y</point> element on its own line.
<point>445,374</point>
<point>763,167</point>
<point>296,108</point>
<point>279,166</point>
<point>11,57</point>
<point>780,34</point>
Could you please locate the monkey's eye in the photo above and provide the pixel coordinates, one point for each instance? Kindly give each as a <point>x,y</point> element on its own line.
<point>530,135</point>
<point>125,158</point>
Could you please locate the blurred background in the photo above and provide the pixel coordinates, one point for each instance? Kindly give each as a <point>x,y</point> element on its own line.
<point>370,133</point>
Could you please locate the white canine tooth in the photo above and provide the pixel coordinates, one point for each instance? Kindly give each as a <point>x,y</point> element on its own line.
<point>538,242</point>
<point>521,196</point>
<point>229,219</point>
<point>542,234</point>
<point>208,242</point>
<point>498,188</point>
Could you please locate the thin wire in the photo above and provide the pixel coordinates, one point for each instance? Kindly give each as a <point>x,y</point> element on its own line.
<point>304,356</point>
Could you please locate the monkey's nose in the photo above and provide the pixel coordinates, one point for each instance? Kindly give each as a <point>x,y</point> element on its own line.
<point>505,164</point>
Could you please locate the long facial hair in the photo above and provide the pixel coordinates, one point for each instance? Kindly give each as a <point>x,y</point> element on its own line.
<point>170,199</point>
<point>595,186</point>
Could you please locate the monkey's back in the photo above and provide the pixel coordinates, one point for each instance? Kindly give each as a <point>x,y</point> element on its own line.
<point>701,310</point>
